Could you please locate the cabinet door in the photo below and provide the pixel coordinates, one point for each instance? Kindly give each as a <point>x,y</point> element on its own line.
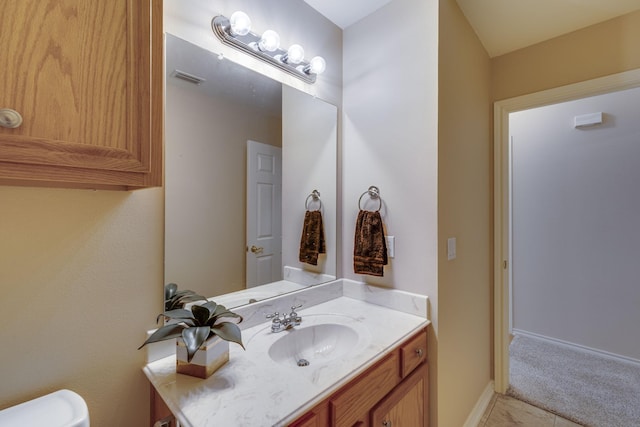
<point>159,410</point>
<point>317,417</point>
<point>352,405</point>
<point>406,405</point>
<point>86,76</point>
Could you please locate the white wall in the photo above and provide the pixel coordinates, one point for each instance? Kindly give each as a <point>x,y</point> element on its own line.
<point>575,223</point>
<point>390,136</point>
<point>309,162</point>
<point>205,188</point>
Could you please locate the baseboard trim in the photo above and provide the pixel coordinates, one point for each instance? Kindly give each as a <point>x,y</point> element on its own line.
<point>614,356</point>
<point>480,407</point>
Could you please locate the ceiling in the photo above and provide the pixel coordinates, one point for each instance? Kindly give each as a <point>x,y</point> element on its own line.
<point>344,13</point>
<point>502,25</point>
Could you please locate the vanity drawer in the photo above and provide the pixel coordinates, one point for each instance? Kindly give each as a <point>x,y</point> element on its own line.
<point>413,353</point>
<point>353,404</point>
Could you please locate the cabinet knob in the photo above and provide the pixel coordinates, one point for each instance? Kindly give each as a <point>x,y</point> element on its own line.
<point>386,423</point>
<point>419,352</point>
<point>10,118</point>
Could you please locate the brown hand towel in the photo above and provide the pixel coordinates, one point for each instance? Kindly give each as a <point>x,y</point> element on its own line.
<point>312,239</point>
<point>370,247</point>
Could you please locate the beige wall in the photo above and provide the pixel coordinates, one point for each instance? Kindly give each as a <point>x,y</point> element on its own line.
<point>205,184</point>
<point>81,280</point>
<point>464,212</point>
<point>600,50</point>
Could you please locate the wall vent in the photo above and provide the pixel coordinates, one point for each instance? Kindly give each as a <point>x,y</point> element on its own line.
<point>587,120</point>
<point>187,77</point>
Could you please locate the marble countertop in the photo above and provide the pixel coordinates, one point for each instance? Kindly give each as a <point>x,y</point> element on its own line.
<point>253,390</point>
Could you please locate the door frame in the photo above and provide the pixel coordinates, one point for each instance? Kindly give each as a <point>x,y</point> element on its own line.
<point>502,197</point>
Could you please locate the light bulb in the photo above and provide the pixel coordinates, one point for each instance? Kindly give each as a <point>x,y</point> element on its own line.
<point>240,23</point>
<point>316,66</point>
<point>294,55</point>
<point>270,41</point>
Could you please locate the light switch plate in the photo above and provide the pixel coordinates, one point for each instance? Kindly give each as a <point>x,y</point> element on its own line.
<point>451,248</point>
<point>391,246</point>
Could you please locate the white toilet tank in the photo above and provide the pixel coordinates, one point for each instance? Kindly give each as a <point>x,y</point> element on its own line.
<point>63,408</point>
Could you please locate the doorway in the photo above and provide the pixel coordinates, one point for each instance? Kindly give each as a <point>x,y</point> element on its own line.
<point>503,255</point>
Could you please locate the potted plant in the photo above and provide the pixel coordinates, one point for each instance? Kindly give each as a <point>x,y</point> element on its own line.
<point>203,333</point>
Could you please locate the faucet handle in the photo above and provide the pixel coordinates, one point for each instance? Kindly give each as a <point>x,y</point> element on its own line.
<point>275,316</point>
<point>293,316</point>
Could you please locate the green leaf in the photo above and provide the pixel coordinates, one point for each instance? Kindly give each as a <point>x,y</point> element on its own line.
<point>194,338</point>
<point>190,298</point>
<point>222,311</point>
<point>178,314</point>
<point>170,290</point>
<point>229,332</point>
<point>201,314</point>
<point>164,333</point>
<point>211,305</point>
<point>177,299</point>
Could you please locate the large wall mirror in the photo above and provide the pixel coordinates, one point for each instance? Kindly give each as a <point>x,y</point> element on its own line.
<point>243,155</point>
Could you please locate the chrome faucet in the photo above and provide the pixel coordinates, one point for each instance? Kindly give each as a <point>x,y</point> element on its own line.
<point>287,321</point>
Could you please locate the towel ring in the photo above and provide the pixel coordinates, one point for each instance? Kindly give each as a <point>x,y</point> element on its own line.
<point>373,193</point>
<point>315,196</point>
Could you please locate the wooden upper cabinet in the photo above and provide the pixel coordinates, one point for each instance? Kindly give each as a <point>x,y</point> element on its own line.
<point>86,76</point>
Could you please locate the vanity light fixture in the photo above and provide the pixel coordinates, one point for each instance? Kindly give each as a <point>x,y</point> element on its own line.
<point>236,32</point>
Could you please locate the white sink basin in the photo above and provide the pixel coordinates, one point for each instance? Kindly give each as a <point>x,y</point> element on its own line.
<point>313,344</point>
<point>318,340</point>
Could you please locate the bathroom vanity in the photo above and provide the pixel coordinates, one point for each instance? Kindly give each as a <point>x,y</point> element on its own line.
<point>393,392</point>
<point>367,365</point>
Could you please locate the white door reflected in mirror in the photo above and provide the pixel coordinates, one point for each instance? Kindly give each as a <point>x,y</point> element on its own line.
<point>264,214</point>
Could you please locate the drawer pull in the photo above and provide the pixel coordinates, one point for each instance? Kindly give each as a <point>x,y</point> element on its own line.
<point>419,352</point>
<point>386,423</point>
<point>10,118</point>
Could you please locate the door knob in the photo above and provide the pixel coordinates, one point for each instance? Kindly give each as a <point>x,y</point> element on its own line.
<point>256,249</point>
<point>10,118</point>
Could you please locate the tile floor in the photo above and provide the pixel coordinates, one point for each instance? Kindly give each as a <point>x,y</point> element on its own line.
<point>505,411</point>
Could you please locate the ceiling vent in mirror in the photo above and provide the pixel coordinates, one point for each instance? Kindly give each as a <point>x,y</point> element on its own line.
<point>236,32</point>
<point>187,77</point>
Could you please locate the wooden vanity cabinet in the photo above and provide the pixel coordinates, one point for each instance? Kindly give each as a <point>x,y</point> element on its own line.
<point>405,406</point>
<point>160,414</point>
<point>86,77</point>
<point>392,393</point>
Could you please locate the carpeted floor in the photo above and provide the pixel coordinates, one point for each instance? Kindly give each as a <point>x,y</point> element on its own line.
<point>579,385</point>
